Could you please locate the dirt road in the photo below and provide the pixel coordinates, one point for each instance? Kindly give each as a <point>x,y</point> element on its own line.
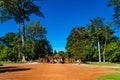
<point>51,72</point>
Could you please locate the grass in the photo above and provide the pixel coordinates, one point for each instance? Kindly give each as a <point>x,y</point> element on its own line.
<point>115,76</point>
<point>9,62</point>
<point>103,63</point>
<point>117,69</point>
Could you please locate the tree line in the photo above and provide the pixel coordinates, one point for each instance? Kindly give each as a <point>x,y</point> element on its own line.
<point>94,42</point>
<point>27,43</point>
<point>36,44</point>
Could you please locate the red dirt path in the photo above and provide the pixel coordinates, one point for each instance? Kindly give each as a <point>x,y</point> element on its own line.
<point>51,72</point>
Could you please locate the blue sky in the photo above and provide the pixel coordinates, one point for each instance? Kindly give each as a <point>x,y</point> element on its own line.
<point>62,15</point>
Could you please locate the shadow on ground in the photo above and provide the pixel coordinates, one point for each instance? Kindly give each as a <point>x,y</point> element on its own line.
<point>4,69</point>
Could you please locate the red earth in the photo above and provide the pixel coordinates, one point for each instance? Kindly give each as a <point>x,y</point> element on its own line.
<point>52,72</point>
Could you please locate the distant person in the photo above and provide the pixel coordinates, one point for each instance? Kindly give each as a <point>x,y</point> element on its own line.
<point>55,60</point>
<point>51,61</point>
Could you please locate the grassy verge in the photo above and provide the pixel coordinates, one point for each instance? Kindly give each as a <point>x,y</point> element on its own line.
<point>9,62</point>
<point>115,76</point>
<point>102,63</point>
<point>117,69</point>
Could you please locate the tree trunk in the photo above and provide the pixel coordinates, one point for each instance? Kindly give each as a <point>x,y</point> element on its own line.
<point>104,51</point>
<point>104,55</point>
<point>99,51</point>
<point>23,41</point>
<point>18,30</point>
<point>23,35</point>
<point>104,48</point>
<point>23,59</point>
<point>18,41</point>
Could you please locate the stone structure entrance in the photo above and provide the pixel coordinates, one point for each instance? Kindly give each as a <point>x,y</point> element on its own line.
<point>56,59</point>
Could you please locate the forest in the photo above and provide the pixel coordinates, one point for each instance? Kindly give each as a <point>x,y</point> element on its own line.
<point>94,42</point>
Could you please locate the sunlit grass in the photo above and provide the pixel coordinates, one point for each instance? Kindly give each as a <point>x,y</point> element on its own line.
<point>117,69</point>
<point>115,76</point>
<point>102,63</point>
<point>9,62</point>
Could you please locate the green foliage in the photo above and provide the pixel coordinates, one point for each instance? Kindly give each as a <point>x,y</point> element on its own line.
<point>42,49</point>
<point>35,31</point>
<point>10,62</point>
<point>115,76</point>
<point>116,69</point>
<point>4,16</point>
<point>82,42</point>
<point>54,53</point>
<point>113,52</point>
<point>77,43</point>
<point>1,64</point>
<point>102,63</point>
<point>4,54</point>
<point>116,15</point>
<point>19,10</point>
<point>36,44</point>
<point>62,54</point>
<point>9,50</point>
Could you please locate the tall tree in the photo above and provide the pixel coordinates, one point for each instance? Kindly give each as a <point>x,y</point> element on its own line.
<point>4,15</point>
<point>77,43</point>
<point>36,35</point>
<point>107,32</point>
<point>116,5</point>
<point>97,24</point>
<point>20,10</point>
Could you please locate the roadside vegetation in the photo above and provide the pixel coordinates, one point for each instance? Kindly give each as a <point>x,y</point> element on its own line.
<point>116,69</point>
<point>36,45</point>
<point>115,76</point>
<point>30,43</point>
<point>103,63</point>
<point>10,62</point>
<point>94,42</point>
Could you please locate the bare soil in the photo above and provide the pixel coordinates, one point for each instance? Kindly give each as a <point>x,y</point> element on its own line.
<point>51,72</point>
